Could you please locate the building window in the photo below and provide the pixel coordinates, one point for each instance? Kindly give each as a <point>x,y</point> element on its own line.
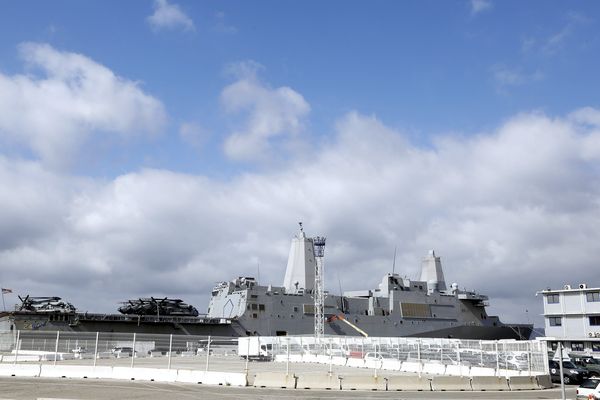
<point>577,346</point>
<point>595,320</point>
<point>553,298</point>
<point>593,296</point>
<point>595,346</point>
<point>555,321</point>
<point>554,346</point>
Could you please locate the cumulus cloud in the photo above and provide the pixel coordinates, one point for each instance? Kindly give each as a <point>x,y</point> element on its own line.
<point>169,16</point>
<point>479,6</point>
<point>269,113</point>
<point>64,98</point>
<point>510,211</point>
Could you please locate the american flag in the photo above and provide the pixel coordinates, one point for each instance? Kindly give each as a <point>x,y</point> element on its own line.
<point>6,291</point>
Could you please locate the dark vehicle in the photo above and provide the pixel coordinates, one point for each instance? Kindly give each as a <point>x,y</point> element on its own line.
<point>588,363</point>
<point>120,352</point>
<point>571,373</point>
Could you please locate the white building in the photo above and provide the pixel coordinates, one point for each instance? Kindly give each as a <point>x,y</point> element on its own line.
<point>572,316</point>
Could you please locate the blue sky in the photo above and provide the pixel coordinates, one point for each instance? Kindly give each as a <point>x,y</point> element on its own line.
<point>173,138</point>
<point>427,68</point>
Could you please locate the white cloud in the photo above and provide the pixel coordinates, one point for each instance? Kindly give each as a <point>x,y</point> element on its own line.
<point>586,115</point>
<point>222,26</point>
<point>54,111</point>
<point>479,6</point>
<point>509,212</point>
<point>506,77</point>
<point>169,16</point>
<point>270,113</point>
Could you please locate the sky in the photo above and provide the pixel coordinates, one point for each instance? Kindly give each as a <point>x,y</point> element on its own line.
<point>155,148</point>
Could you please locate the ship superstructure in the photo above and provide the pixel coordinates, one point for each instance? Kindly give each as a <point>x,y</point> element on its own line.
<point>397,307</point>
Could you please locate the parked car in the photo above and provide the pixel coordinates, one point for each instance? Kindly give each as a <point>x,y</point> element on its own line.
<point>514,361</point>
<point>588,363</point>
<point>120,352</point>
<point>572,374</point>
<point>589,389</point>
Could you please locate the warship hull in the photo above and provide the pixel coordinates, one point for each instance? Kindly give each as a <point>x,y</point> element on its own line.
<point>242,307</point>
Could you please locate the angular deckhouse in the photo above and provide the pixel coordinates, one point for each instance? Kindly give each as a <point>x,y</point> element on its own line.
<point>397,307</point>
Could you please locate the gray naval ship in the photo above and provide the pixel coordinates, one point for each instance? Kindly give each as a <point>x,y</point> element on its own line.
<point>243,307</point>
<point>397,307</point>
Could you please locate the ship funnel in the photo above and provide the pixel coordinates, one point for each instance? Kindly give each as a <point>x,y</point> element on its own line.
<point>431,272</point>
<point>300,271</point>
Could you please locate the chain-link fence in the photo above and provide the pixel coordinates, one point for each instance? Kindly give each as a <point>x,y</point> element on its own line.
<point>522,357</point>
<point>107,348</point>
<point>211,353</point>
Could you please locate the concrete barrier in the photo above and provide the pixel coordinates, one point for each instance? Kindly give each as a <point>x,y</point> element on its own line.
<point>295,358</point>
<point>408,383</point>
<point>64,371</point>
<point>457,370</point>
<point>410,366</point>
<point>482,371</point>
<point>483,383</point>
<point>27,370</point>
<point>322,359</point>
<point>309,358</point>
<point>372,363</point>
<point>338,361</point>
<point>522,383</point>
<point>451,383</point>
<point>355,363</point>
<point>317,381</point>
<point>75,371</point>
<point>190,376</point>
<point>544,381</point>
<point>363,382</point>
<point>225,378</point>
<point>275,380</point>
<point>145,374</point>
<point>434,369</point>
<point>391,365</point>
<point>280,358</point>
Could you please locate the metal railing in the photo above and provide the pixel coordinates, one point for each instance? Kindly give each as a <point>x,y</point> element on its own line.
<point>524,357</point>
<point>227,355</point>
<point>107,348</point>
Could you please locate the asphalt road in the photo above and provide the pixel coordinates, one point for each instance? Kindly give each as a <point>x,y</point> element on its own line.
<point>83,389</point>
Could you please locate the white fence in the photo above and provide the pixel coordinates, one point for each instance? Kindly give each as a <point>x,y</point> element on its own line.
<point>418,355</point>
<point>422,355</point>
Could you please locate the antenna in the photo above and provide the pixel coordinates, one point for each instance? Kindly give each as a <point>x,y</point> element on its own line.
<point>394,263</point>
<point>258,273</point>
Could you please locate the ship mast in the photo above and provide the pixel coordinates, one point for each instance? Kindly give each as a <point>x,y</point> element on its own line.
<point>319,293</point>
